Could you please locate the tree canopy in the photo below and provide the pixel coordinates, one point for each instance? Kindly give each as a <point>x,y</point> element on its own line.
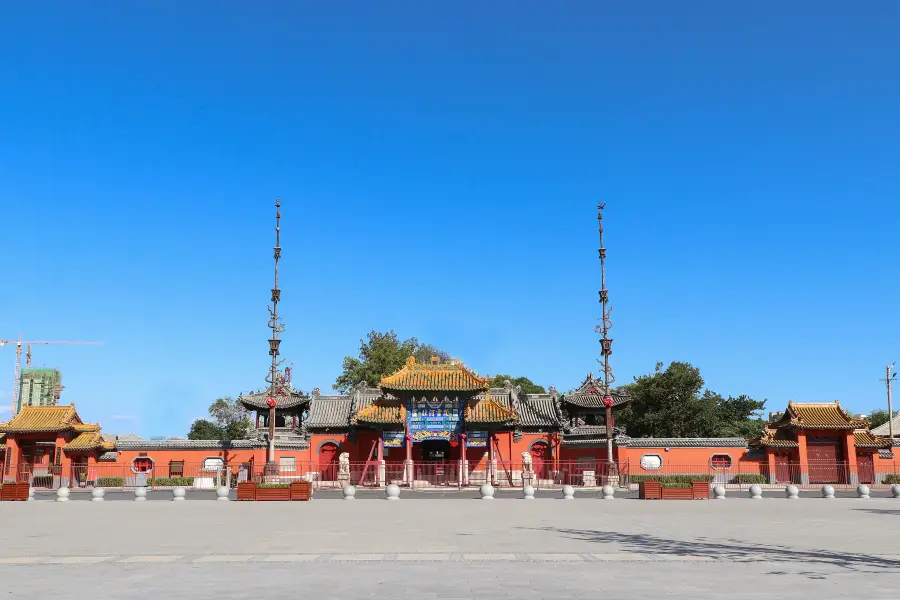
<point>379,355</point>
<point>673,403</point>
<point>229,420</point>
<point>528,386</point>
<point>879,416</point>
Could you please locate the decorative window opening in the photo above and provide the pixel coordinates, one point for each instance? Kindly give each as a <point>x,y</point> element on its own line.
<point>651,462</point>
<point>720,461</point>
<point>142,464</point>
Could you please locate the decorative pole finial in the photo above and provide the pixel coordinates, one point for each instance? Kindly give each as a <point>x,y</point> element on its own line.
<point>605,340</point>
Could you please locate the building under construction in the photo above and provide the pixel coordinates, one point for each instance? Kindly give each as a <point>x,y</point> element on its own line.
<point>39,387</point>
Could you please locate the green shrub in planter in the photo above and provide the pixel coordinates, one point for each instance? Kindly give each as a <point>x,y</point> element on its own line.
<point>106,482</point>
<point>892,479</point>
<point>273,485</point>
<point>749,478</point>
<point>664,479</point>
<point>173,481</point>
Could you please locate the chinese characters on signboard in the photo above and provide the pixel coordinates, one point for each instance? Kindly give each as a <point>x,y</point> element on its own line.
<point>434,419</point>
<point>476,439</point>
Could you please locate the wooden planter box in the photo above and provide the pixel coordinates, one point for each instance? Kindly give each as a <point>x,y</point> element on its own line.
<point>301,490</point>
<point>654,490</point>
<point>273,494</point>
<point>246,491</point>
<point>678,493</point>
<point>650,490</point>
<point>14,491</point>
<point>700,489</point>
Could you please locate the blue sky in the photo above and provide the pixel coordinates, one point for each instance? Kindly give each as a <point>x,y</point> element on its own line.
<point>439,168</point>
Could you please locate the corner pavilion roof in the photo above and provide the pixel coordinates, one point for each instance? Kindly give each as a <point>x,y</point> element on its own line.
<point>434,377</point>
<point>590,394</point>
<point>285,398</point>
<point>46,419</point>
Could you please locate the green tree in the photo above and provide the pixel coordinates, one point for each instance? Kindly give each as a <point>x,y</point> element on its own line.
<point>204,429</point>
<point>879,416</point>
<point>379,355</point>
<point>673,403</point>
<point>528,386</point>
<point>230,421</point>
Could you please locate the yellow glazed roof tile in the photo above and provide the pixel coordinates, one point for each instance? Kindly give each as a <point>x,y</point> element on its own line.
<point>451,376</point>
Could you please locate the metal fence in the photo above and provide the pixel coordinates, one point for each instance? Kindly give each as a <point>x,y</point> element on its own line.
<point>742,474</point>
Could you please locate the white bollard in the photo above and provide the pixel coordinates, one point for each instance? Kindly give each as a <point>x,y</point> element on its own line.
<point>30,494</point>
<point>528,492</point>
<point>62,494</point>
<point>828,492</point>
<point>862,491</point>
<point>755,492</point>
<point>222,493</point>
<point>140,494</point>
<point>895,490</point>
<point>568,492</point>
<point>791,492</point>
<point>178,493</point>
<point>97,494</point>
<point>609,492</point>
<point>719,492</point>
<point>349,492</point>
<point>487,491</point>
<point>392,492</point>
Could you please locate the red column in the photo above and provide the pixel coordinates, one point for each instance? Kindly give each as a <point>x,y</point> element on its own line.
<point>770,457</point>
<point>850,453</point>
<point>802,457</point>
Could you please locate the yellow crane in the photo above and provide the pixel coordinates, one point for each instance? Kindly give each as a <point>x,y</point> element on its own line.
<point>27,343</point>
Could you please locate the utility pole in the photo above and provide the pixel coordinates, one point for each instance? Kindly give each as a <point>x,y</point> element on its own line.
<point>888,378</point>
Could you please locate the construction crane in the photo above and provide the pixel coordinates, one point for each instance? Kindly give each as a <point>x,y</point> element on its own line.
<point>28,344</point>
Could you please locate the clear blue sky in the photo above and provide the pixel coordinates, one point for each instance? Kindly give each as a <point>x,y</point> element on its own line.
<point>439,168</point>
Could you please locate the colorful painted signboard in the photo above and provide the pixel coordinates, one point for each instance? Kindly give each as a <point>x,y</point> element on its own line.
<point>394,439</point>
<point>476,439</point>
<point>433,419</point>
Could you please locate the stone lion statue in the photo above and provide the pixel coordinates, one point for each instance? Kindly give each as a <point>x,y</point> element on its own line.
<point>344,463</point>
<point>526,461</point>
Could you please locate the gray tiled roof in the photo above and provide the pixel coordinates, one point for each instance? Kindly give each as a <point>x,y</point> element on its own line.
<point>885,453</point>
<point>682,442</point>
<point>590,395</point>
<point>884,429</point>
<point>537,410</point>
<point>257,400</point>
<point>329,411</point>
<point>186,444</point>
<point>110,456</point>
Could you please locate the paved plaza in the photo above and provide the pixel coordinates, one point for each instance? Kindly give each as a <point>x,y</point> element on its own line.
<point>452,548</point>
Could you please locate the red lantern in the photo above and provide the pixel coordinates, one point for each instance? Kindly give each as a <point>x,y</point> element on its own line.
<point>271,402</point>
<point>608,401</point>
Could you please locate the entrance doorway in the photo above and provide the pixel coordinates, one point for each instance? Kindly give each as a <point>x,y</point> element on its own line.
<point>435,450</point>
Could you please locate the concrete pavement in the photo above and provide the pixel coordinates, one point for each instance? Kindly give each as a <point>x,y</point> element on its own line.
<point>452,549</point>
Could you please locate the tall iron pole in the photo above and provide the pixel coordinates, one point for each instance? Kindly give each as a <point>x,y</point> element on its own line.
<point>605,341</point>
<point>887,382</point>
<point>274,343</point>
